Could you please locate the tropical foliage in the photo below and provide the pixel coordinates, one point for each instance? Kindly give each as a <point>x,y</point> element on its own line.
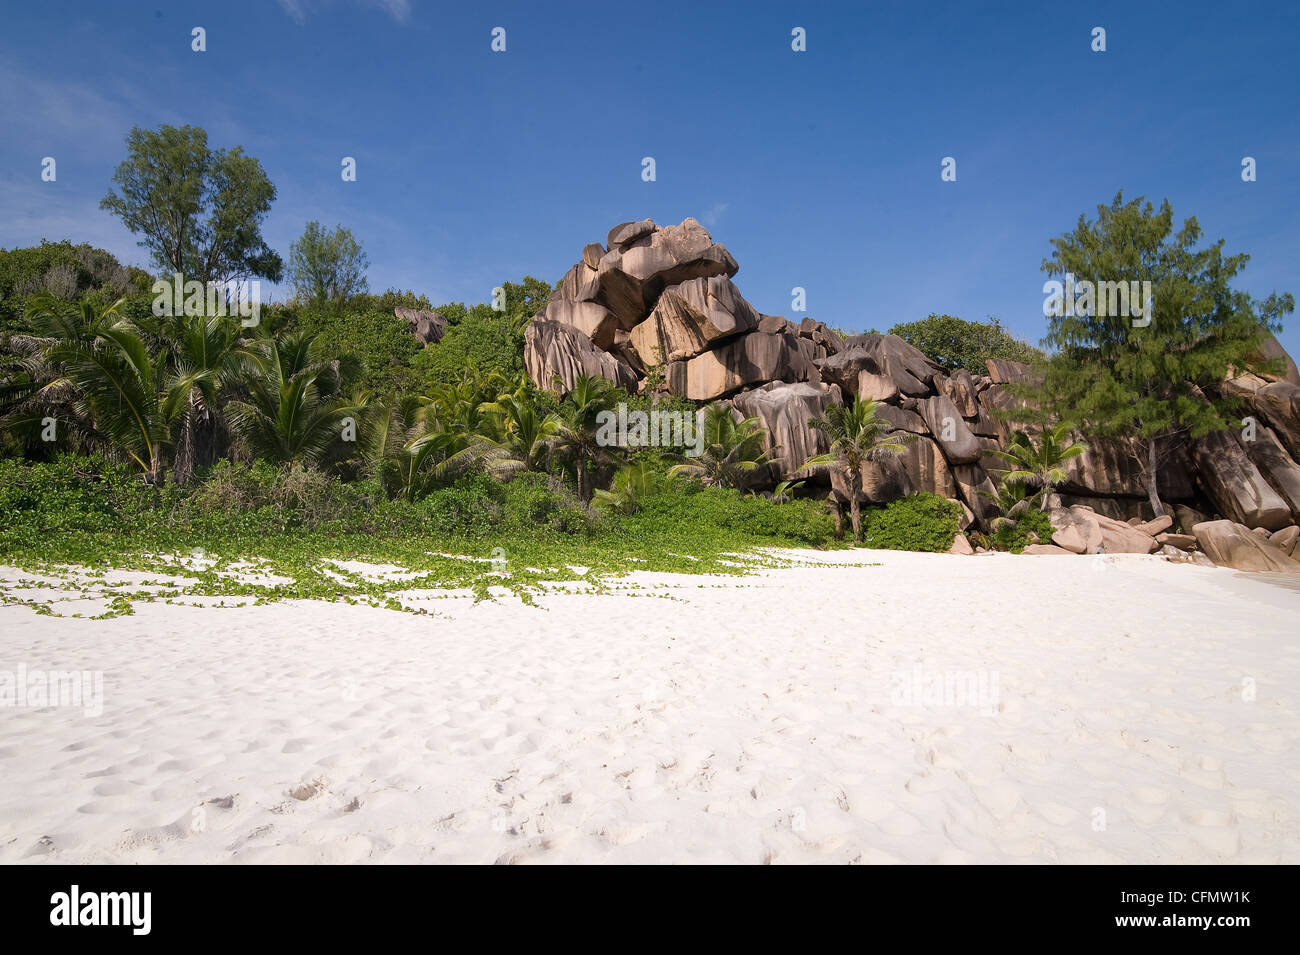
<point>1039,466</point>
<point>856,434</point>
<point>951,342</point>
<point>731,452</point>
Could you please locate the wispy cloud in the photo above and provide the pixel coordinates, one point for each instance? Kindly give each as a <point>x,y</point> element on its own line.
<point>36,210</point>
<point>713,214</point>
<point>299,10</point>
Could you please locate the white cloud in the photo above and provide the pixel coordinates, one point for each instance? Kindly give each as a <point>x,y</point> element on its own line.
<point>36,210</point>
<point>298,10</point>
<point>713,214</point>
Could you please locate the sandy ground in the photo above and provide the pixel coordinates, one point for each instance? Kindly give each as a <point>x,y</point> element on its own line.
<point>930,709</point>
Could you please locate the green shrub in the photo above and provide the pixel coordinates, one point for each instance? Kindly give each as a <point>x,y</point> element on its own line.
<point>374,346</point>
<point>685,511</point>
<point>1015,537</point>
<point>923,522</point>
<point>483,340</point>
<point>952,342</point>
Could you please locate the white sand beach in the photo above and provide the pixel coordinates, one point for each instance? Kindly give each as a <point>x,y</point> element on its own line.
<point>1126,710</point>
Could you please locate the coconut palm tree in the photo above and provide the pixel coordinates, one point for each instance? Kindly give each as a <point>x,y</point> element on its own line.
<point>192,344</point>
<point>784,491</point>
<point>857,435</point>
<point>1040,466</point>
<point>416,444</point>
<point>33,387</point>
<point>631,485</point>
<point>525,430</point>
<point>438,457</point>
<point>575,433</point>
<point>136,402</point>
<point>293,413</point>
<point>732,450</point>
<point>1013,497</point>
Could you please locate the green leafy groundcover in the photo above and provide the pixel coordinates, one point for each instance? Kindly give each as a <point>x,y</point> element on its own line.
<point>923,522</point>
<point>81,520</point>
<point>1015,537</point>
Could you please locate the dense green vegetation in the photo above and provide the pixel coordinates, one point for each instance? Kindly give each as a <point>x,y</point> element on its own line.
<point>922,522</point>
<point>206,539</point>
<point>1147,366</point>
<point>953,343</point>
<point>326,430</point>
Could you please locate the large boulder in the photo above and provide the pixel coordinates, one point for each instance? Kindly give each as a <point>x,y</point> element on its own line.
<point>974,484</point>
<point>785,410</point>
<point>591,318</point>
<point>879,367</point>
<point>690,317</point>
<point>1046,550</point>
<point>902,419</point>
<point>1117,537</point>
<point>959,387</point>
<point>554,349</point>
<point>999,409</point>
<point>1003,371</point>
<point>1278,468</point>
<point>428,327</point>
<point>1234,483</point>
<point>828,341</point>
<point>1230,544</point>
<point>751,359</point>
<point>1279,403</point>
<point>945,422</point>
<point>1075,532</point>
<point>1285,540</point>
<point>644,259</point>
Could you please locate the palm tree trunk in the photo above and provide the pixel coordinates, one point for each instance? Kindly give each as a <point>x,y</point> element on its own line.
<point>855,516</point>
<point>580,466</point>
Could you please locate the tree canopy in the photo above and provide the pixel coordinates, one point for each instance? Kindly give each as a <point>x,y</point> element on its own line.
<point>1155,376</point>
<point>951,342</point>
<point>199,211</point>
<point>325,265</point>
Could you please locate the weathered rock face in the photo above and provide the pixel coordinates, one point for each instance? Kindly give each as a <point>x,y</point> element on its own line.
<point>643,259</point>
<point>746,360</point>
<point>1117,537</point>
<point>1279,470</point>
<point>784,410</point>
<point>1235,484</point>
<point>1285,540</point>
<point>663,296</point>
<point>428,327</point>
<point>1229,544</point>
<point>689,317</point>
<point>920,466</point>
<point>879,367</point>
<point>944,421</point>
<point>959,388</point>
<point>1110,469</point>
<point>552,350</point>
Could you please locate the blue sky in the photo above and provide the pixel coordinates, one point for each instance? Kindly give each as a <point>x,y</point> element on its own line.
<point>817,169</point>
